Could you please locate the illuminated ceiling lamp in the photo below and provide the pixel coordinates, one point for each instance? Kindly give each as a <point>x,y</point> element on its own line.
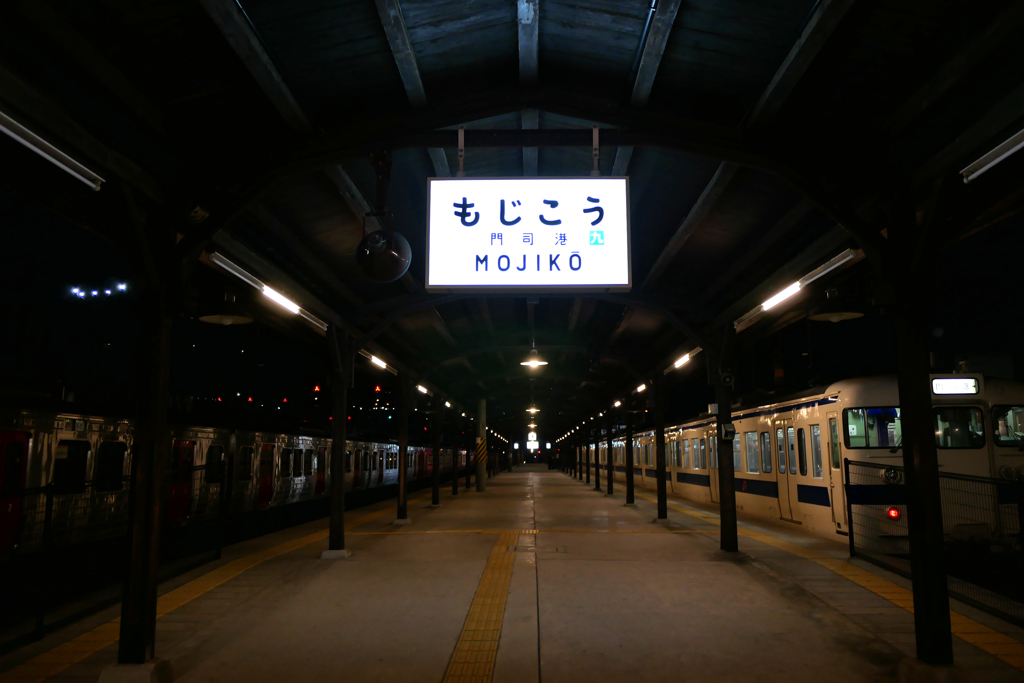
<point>532,411</point>
<point>533,360</point>
<point>835,309</point>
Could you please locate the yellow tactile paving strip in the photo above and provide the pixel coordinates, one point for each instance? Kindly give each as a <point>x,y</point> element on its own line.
<point>984,637</point>
<point>41,667</point>
<point>477,647</point>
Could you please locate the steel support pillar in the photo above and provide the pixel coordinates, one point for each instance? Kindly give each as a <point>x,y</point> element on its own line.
<point>404,405</point>
<point>341,357</point>
<point>630,499</point>
<point>150,448</point>
<point>597,457</point>
<point>912,291</point>
<point>611,459</point>
<point>435,446</point>
<point>481,447</point>
<point>659,445</point>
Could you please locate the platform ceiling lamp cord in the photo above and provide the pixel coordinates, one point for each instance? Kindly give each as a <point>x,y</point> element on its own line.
<point>383,255</point>
<point>462,153</point>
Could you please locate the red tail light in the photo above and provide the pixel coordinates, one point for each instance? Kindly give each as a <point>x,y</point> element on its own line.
<point>894,513</point>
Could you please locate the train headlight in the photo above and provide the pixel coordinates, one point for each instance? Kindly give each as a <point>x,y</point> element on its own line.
<point>892,476</point>
<point>893,514</point>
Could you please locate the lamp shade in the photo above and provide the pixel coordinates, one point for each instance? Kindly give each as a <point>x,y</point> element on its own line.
<point>384,255</point>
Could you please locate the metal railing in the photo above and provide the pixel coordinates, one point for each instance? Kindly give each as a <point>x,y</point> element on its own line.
<point>982,520</point>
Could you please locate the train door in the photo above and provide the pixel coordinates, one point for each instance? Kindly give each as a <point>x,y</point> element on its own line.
<point>836,491</point>
<point>711,436</point>
<point>179,499</point>
<point>358,467</point>
<point>380,467</point>
<point>785,455</point>
<point>13,460</point>
<point>266,474</point>
<point>321,469</point>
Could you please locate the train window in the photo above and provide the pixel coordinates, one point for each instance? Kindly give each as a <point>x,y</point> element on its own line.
<point>959,427</point>
<point>816,451</point>
<point>833,437</point>
<point>780,447</point>
<point>696,459</point>
<point>791,444</point>
<point>245,463</point>
<point>703,454</point>
<point>713,452</point>
<point>69,466</point>
<point>686,452</point>
<point>215,464</point>
<point>872,427</point>
<point>766,452</point>
<point>1008,425</point>
<point>737,457</point>
<point>14,468</point>
<point>307,462</point>
<point>753,457</point>
<point>109,468</point>
<point>285,461</point>
<point>321,460</point>
<point>266,461</point>
<point>802,448</point>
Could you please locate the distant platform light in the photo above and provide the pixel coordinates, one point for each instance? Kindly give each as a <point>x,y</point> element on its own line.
<point>122,287</point>
<point>422,389</point>
<point>95,293</point>
<point>447,404</point>
<point>532,411</point>
<point>547,445</point>
<point>75,290</point>
<point>107,292</point>
<point>683,360</point>
<point>640,389</point>
<point>617,404</point>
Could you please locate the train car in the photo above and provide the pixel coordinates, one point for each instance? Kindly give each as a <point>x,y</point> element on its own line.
<point>788,456</point>
<point>67,475</point>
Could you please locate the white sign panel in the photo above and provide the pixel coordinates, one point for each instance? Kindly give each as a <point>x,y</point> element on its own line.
<point>528,233</point>
<point>533,445</point>
<point>955,385</point>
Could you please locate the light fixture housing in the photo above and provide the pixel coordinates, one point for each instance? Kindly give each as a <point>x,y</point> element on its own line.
<point>993,157</point>
<point>27,138</point>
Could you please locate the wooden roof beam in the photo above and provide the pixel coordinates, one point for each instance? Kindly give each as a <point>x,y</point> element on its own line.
<point>651,53</point>
<point>814,36</point>
<point>391,17</point>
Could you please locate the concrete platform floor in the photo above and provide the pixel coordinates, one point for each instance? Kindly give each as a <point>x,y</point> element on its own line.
<point>540,578</point>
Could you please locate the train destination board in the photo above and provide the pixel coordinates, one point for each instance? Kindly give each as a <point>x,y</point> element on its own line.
<point>530,234</point>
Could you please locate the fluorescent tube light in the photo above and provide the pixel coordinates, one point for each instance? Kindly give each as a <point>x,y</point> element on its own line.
<point>280,299</point>
<point>780,297</point>
<point>378,362</point>
<point>640,389</point>
<point>236,270</point>
<point>986,162</point>
<point>24,136</point>
<point>420,388</point>
<point>618,403</point>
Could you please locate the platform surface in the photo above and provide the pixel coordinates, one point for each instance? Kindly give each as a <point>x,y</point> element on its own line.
<point>540,578</point>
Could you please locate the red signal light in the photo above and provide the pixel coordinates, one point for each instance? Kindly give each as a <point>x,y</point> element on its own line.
<point>377,388</point>
<point>893,513</point>
<point>218,399</point>
<point>250,400</point>
<point>284,400</point>
<point>316,388</point>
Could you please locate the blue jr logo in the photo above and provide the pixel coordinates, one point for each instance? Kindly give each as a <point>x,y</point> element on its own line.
<point>596,237</point>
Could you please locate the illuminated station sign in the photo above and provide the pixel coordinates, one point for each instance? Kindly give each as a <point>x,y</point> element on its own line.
<point>946,386</point>
<point>528,234</point>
